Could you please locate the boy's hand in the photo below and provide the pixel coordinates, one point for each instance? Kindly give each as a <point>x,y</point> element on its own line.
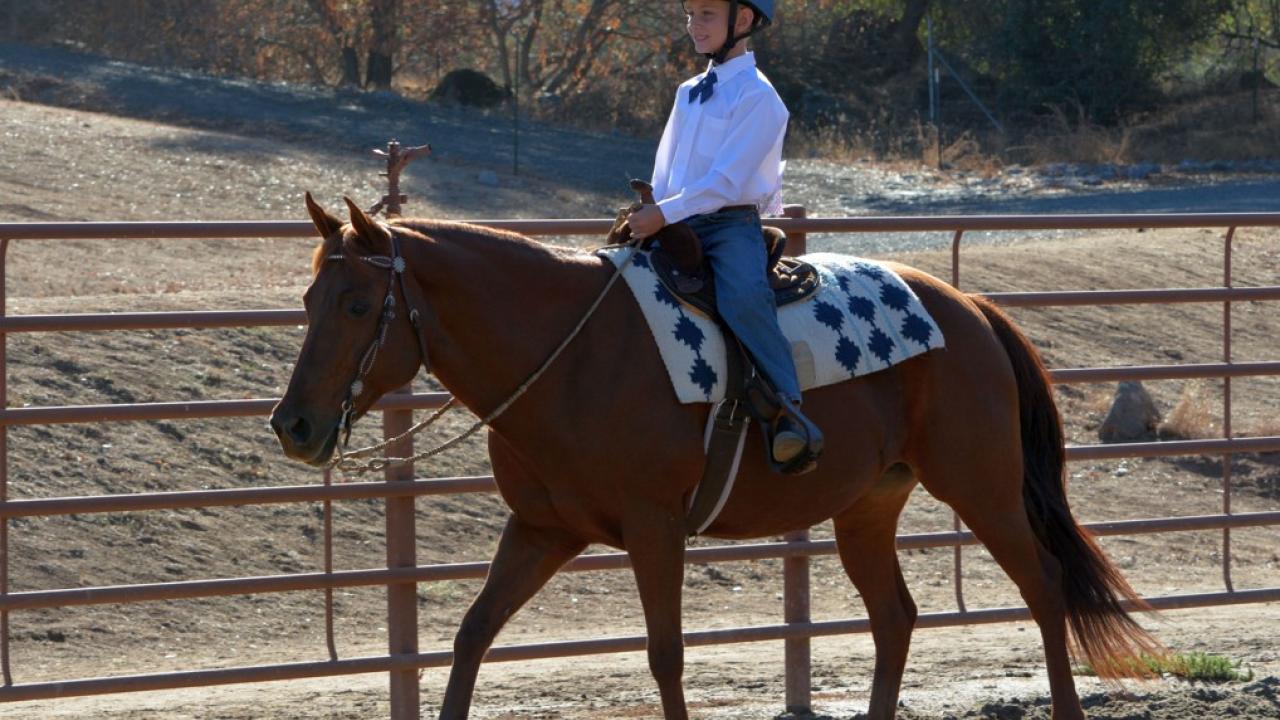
<point>646,221</point>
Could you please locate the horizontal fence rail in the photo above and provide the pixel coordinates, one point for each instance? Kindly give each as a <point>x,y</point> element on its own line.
<point>543,651</point>
<point>600,227</point>
<point>400,664</point>
<point>190,589</point>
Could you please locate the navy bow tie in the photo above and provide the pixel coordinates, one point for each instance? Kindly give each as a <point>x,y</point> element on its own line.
<point>705,87</point>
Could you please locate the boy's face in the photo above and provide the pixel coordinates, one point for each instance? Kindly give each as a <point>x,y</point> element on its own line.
<point>708,23</point>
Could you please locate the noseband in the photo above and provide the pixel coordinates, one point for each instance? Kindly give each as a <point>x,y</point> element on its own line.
<point>395,267</point>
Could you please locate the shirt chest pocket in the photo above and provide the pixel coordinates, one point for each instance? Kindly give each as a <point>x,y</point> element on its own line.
<point>710,137</point>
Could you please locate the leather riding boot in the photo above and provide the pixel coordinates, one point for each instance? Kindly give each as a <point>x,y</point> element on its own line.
<point>788,440</point>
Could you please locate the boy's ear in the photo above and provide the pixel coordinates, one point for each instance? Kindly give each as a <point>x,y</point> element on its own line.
<point>326,223</point>
<point>746,18</point>
<point>370,235</point>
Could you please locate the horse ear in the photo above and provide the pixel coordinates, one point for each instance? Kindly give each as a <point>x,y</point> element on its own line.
<point>368,232</point>
<point>325,222</point>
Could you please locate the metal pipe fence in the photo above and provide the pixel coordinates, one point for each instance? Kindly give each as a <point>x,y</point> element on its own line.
<point>401,572</point>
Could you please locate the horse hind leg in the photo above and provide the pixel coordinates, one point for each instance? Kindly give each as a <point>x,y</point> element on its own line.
<point>996,513</point>
<point>866,540</point>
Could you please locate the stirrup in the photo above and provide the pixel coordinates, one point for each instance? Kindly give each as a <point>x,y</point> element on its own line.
<point>788,440</point>
<point>790,429</point>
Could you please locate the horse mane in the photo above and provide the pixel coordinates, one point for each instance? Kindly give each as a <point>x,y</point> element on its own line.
<point>451,232</point>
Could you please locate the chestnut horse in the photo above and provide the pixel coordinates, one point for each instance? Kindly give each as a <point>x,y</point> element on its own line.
<point>598,450</point>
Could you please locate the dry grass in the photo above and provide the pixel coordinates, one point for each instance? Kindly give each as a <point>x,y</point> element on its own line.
<point>1194,417</point>
<point>1221,127</point>
<point>1209,128</point>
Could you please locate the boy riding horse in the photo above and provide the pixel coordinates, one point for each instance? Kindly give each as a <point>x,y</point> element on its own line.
<point>718,167</point>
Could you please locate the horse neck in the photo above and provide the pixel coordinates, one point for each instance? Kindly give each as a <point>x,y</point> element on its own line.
<point>499,305</point>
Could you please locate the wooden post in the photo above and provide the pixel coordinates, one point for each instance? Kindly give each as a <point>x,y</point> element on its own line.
<point>397,159</point>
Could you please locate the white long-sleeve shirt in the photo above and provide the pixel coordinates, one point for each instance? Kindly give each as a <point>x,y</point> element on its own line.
<point>726,151</point>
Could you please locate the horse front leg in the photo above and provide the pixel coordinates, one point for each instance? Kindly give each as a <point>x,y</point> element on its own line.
<point>526,558</point>
<point>654,539</point>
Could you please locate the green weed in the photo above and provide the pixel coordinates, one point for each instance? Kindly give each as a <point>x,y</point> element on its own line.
<point>1189,666</point>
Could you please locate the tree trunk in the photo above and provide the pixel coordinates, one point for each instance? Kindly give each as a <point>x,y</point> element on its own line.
<point>383,17</point>
<point>906,39</point>
<point>378,71</point>
<point>334,23</point>
<point>350,67</point>
<point>498,30</point>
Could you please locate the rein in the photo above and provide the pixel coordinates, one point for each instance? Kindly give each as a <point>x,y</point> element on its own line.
<point>396,265</point>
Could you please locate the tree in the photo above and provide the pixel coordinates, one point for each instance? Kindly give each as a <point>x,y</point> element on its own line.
<point>1107,56</point>
<point>384,19</point>
<point>339,27</point>
<point>1250,29</point>
<point>552,46</point>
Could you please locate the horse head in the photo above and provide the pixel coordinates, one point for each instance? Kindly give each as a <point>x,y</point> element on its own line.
<point>359,343</point>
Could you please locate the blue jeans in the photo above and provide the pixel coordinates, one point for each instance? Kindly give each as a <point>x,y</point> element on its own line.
<point>731,240</point>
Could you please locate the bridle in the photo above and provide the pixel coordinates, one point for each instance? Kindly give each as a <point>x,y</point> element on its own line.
<point>396,266</point>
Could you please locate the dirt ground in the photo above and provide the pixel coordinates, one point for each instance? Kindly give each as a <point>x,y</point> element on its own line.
<point>64,164</point>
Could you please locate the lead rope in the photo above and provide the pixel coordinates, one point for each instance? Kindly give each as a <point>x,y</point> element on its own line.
<point>345,461</point>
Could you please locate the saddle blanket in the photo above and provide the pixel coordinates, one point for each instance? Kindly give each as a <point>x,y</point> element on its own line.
<point>863,318</point>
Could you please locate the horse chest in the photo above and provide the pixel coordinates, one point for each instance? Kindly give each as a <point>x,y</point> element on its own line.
<point>561,505</point>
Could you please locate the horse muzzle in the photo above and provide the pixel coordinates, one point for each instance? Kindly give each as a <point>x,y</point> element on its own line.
<point>302,438</point>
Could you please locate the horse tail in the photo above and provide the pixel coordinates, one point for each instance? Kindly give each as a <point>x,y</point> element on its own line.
<point>1093,589</point>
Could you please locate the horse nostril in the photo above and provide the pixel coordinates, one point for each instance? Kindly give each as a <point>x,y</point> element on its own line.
<point>300,430</point>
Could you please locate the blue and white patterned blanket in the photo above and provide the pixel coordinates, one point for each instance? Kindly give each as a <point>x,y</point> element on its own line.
<point>864,318</point>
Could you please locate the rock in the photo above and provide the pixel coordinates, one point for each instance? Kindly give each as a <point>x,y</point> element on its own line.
<point>1133,416</point>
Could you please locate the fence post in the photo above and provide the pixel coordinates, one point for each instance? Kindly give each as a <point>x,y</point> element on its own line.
<point>795,570</point>
<point>402,598</point>
<point>797,242</point>
<point>4,456</point>
<point>795,574</point>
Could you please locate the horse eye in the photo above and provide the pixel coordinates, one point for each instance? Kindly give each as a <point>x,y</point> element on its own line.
<point>358,308</point>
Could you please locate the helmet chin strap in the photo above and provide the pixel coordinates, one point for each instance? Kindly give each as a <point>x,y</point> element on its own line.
<point>732,40</point>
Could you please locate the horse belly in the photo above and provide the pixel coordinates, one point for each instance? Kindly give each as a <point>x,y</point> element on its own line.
<point>862,421</point>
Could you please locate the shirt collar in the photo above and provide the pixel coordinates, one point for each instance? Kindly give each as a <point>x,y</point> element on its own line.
<point>724,71</point>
